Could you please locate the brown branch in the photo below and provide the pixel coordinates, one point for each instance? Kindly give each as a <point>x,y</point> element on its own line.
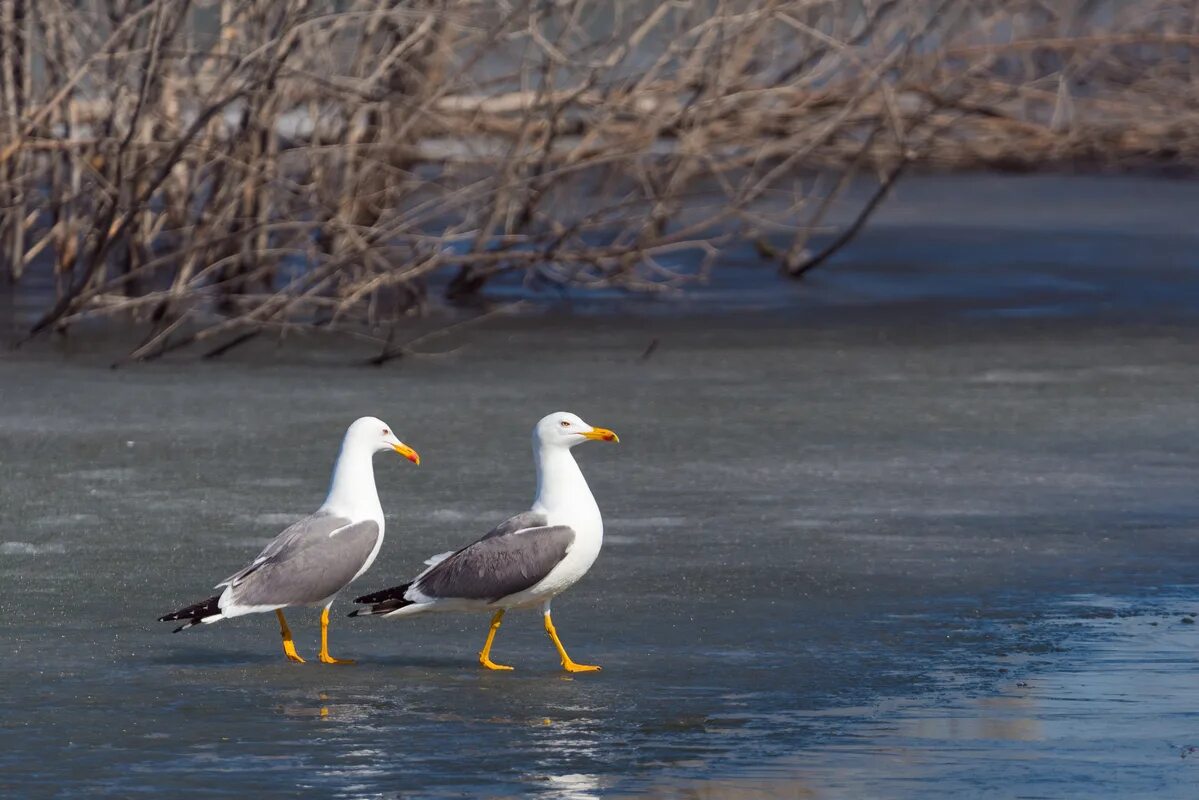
<point>846,236</point>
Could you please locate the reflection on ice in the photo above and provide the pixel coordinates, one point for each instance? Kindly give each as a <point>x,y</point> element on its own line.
<point>576,786</point>
<point>1000,718</point>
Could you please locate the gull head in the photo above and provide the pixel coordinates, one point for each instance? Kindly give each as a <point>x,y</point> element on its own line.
<point>563,429</point>
<point>375,436</point>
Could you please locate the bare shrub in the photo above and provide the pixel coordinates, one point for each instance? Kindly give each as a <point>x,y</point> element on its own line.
<point>219,169</point>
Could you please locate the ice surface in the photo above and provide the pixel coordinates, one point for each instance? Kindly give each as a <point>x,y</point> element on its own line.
<point>840,540</point>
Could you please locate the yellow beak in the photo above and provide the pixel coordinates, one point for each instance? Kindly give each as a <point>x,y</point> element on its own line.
<point>602,434</point>
<point>407,452</point>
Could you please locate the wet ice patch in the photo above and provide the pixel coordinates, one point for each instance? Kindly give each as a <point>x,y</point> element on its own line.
<point>65,520</point>
<point>449,515</point>
<point>106,474</point>
<point>646,522</point>
<point>252,542</point>
<point>1020,376</point>
<point>1072,375</point>
<point>279,483</point>
<point>454,515</point>
<point>810,524</point>
<point>29,549</point>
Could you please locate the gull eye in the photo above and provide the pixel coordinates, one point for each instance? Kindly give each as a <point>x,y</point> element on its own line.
<point>386,432</point>
<point>565,423</point>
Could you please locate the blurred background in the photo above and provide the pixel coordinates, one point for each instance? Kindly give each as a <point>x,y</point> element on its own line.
<point>215,171</point>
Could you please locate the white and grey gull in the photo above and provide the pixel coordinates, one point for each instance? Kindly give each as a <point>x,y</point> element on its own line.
<point>317,557</point>
<point>523,562</point>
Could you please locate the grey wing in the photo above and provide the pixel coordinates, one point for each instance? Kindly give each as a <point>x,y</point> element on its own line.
<point>499,564</point>
<point>298,535</point>
<point>309,570</point>
<point>523,521</point>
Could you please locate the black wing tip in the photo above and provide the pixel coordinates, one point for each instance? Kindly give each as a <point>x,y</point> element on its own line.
<point>194,614</point>
<point>394,593</point>
<point>386,607</point>
<point>382,602</point>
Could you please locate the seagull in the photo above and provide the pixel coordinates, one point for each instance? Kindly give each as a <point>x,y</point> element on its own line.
<point>525,561</point>
<point>317,557</point>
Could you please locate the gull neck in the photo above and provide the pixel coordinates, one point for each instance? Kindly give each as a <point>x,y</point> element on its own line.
<point>352,492</point>
<point>561,487</point>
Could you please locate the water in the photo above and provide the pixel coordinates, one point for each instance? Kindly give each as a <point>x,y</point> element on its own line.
<point>907,554</point>
<point>1094,711</point>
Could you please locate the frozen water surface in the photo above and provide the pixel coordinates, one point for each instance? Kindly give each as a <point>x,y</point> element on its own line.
<point>920,553</point>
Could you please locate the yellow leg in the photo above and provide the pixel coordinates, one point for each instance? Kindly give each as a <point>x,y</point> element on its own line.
<point>289,647</point>
<point>324,656</point>
<point>485,653</point>
<point>567,664</point>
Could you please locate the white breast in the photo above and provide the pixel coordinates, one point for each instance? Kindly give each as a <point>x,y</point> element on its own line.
<point>589,538</point>
<point>374,553</point>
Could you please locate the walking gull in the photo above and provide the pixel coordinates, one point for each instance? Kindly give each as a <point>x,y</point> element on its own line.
<point>314,559</point>
<point>525,561</point>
